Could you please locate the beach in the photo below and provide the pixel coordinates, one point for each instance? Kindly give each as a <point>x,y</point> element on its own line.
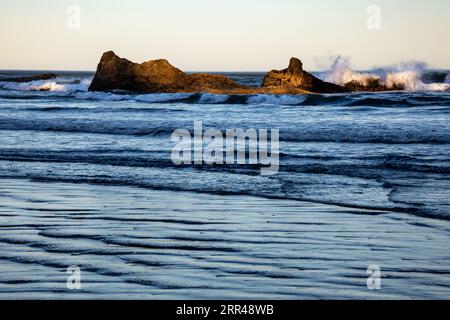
<point>224,158</point>
<point>137,243</point>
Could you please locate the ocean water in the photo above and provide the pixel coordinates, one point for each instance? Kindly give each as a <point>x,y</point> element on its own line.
<point>369,150</point>
<point>354,168</point>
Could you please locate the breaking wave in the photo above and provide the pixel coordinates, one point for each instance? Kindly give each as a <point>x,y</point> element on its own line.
<point>78,89</point>
<point>57,85</point>
<point>412,77</point>
<point>385,149</point>
<point>407,75</point>
<point>385,100</point>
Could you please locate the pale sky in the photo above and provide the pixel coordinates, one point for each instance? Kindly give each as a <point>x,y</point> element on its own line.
<point>223,35</point>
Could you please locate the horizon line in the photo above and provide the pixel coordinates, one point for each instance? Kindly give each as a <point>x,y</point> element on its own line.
<point>204,71</point>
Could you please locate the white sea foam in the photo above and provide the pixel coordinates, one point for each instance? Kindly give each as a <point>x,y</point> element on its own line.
<point>106,96</point>
<point>407,75</point>
<point>205,98</point>
<point>213,98</point>
<point>404,75</point>
<point>341,73</point>
<point>411,80</point>
<point>151,97</point>
<point>275,99</point>
<point>161,97</point>
<point>57,85</point>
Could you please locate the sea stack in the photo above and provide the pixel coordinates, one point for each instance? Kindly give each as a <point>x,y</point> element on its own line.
<point>159,76</point>
<point>295,77</point>
<point>37,77</point>
<point>154,76</point>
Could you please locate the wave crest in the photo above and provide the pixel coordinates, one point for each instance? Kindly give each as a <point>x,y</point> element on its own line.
<point>58,85</point>
<point>402,77</point>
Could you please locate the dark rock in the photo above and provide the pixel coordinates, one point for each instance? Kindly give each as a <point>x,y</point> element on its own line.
<point>154,76</point>
<point>43,76</point>
<point>373,85</point>
<point>295,77</point>
<point>434,77</point>
<point>159,76</point>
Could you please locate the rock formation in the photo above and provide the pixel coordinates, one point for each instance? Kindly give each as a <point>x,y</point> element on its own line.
<point>434,77</point>
<point>372,85</point>
<point>295,77</point>
<point>43,76</point>
<point>154,76</point>
<point>159,76</point>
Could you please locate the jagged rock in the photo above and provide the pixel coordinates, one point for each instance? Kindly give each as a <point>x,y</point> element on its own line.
<point>295,77</point>
<point>43,76</point>
<point>155,76</point>
<point>371,84</point>
<point>159,76</point>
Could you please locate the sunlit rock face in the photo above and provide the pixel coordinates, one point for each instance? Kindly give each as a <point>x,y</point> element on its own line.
<point>295,77</point>
<point>159,76</point>
<point>154,76</point>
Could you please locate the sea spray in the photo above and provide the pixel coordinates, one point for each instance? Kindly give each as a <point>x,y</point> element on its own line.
<point>58,85</point>
<point>405,76</point>
<point>340,73</point>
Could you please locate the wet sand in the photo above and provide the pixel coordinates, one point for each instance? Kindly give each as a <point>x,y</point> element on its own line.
<point>135,243</point>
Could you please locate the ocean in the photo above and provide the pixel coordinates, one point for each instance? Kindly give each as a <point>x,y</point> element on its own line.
<point>87,179</point>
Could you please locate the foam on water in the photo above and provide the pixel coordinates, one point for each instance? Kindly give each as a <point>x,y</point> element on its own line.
<point>213,98</point>
<point>200,98</point>
<point>325,140</point>
<point>151,98</point>
<point>341,73</point>
<point>370,153</point>
<point>57,85</point>
<point>276,99</point>
<point>407,74</point>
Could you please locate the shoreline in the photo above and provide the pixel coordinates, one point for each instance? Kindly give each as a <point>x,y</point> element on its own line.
<point>139,243</point>
<point>363,209</point>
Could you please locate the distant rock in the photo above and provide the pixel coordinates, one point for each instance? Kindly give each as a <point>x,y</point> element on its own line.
<point>295,77</point>
<point>434,77</point>
<point>371,85</point>
<point>42,76</point>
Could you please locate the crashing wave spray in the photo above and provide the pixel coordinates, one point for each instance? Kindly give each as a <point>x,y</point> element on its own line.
<point>341,73</point>
<point>402,77</point>
<point>59,85</point>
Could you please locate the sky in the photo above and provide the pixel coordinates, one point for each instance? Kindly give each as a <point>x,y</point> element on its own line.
<point>223,35</point>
